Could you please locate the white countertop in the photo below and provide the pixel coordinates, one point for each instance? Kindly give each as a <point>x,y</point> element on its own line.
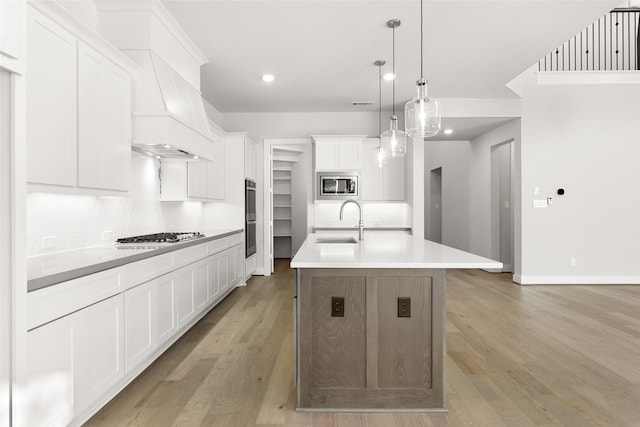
<point>49,269</point>
<point>388,250</point>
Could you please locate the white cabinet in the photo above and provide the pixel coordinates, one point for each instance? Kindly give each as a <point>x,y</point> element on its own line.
<point>102,347</point>
<point>52,137</point>
<point>381,183</point>
<point>53,373</point>
<point>236,272</point>
<point>216,173</point>
<point>195,179</point>
<point>78,111</point>
<point>104,122</point>
<point>140,326</point>
<point>193,291</point>
<point>250,159</point>
<point>215,285</point>
<point>12,34</point>
<point>164,308</point>
<point>223,272</point>
<point>337,152</point>
<point>73,361</point>
<point>107,326</point>
<point>150,318</point>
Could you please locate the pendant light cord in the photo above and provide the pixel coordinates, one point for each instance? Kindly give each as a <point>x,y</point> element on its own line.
<point>379,100</point>
<point>421,41</point>
<point>393,60</point>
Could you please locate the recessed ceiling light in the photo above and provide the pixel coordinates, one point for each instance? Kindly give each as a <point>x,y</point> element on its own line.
<point>388,76</point>
<point>196,157</point>
<point>268,77</point>
<point>448,131</point>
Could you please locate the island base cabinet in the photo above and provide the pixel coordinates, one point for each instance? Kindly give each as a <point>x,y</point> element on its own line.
<point>358,348</point>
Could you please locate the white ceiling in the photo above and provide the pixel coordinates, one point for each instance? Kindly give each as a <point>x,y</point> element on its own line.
<point>322,51</point>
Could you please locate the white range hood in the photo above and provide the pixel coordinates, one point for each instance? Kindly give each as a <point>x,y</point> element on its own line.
<point>167,110</point>
<point>169,118</point>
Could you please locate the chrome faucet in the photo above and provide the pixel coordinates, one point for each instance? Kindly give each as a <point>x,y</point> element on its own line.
<point>360,223</point>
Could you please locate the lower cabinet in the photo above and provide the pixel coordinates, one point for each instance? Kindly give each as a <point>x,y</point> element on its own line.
<point>193,291</point>
<point>216,279</point>
<point>102,347</point>
<point>77,362</point>
<point>150,318</point>
<point>75,359</point>
<point>223,264</point>
<point>54,352</point>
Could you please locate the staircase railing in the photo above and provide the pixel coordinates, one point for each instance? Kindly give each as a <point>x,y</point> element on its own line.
<point>611,43</point>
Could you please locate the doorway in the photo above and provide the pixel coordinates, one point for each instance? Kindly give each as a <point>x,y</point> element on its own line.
<point>288,203</point>
<point>502,220</point>
<point>435,208</point>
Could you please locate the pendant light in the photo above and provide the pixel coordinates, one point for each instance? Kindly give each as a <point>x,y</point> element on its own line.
<point>380,155</point>
<point>393,141</point>
<point>422,114</point>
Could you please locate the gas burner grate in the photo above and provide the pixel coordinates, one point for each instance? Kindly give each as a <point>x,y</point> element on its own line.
<point>174,237</point>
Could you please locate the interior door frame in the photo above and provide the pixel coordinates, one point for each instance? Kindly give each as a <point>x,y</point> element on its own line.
<point>269,145</point>
<point>495,234</point>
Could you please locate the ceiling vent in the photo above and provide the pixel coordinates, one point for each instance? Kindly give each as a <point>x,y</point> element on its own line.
<point>360,103</point>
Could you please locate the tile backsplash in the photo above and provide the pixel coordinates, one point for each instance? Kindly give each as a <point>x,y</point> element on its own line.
<point>62,222</point>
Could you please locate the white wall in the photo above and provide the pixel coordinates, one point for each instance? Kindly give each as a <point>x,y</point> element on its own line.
<point>374,214</point>
<point>583,138</point>
<point>453,158</point>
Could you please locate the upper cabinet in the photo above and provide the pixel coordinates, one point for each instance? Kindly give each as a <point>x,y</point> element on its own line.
<point>381,183</point>
<point>78,111</point>
<point>104,122</point>
<point>52,119</point>
<point>250,159</point>
<point>338,152</point>
<point>12,34</point>
<point>193,180</point>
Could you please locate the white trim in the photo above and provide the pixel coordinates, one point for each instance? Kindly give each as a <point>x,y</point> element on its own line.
<point>158,9</point>
<point>86,34</point>
<point>576,280</point>
<point>592,77</point>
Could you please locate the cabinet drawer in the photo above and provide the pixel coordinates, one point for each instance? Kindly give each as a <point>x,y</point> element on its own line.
<point>147,269</point>
<point>53,302</point>
<point>190,254</point>
<point>235,239</point>
<point>218,245</point>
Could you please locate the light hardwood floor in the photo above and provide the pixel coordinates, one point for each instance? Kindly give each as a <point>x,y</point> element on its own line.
<point>516,356</point>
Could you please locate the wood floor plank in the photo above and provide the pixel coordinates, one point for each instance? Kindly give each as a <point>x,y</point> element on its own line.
<point>516,356</point>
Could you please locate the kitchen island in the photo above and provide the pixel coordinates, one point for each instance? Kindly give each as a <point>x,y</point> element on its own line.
<point>370,320</point>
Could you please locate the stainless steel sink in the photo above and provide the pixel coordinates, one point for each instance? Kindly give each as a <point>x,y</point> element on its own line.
<point>336,240</point>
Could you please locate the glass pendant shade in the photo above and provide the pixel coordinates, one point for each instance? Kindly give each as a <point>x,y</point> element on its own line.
<point>422,114</point>
<point>393,142</point>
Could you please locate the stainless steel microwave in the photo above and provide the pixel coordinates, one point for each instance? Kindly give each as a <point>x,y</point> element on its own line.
<point>338,185</point>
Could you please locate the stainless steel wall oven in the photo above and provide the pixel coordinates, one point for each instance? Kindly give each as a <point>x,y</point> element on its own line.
<point>249,217</point>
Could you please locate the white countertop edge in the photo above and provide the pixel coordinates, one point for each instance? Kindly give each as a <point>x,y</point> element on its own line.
<point>444,265</point>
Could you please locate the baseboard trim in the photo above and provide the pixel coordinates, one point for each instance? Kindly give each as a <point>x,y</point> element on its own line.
<point>258,272</point>
<point>576,280</point>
